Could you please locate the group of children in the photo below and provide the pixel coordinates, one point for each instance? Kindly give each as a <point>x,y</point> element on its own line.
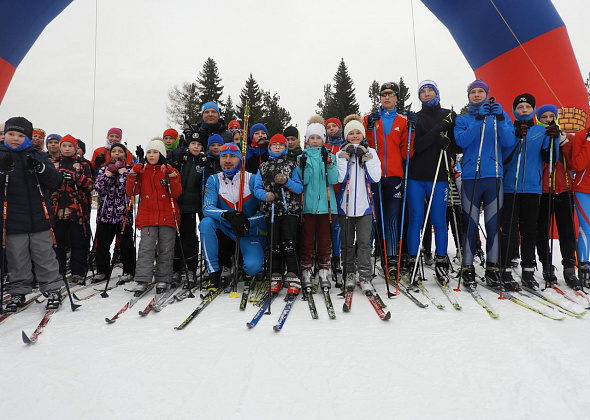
<point>324,207</point>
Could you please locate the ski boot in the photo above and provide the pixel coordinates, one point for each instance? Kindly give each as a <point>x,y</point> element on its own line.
<point>98,278</point>
<point>508,281</point>
<point>53,300</point>
<point>584,272</point>
<point>410,267</point>
<point>15,303</point>
<point>276,283</point>
<point>428,259</point>
<point>392,269</point>
<point>139,288</point>
<point>569,275</point>
<point>161,287</point>
<point>441,269</point>
<point>324,278</point>
<point>77,279</point>
<point>366,286</point>
<point>294,285</point>
<point>306,279</point>
<point>493,278</point>
<point>528,278</point>
<point>350,282</point>
<point>549,275</point>
<point>468,277</point>
<point>213,282</point>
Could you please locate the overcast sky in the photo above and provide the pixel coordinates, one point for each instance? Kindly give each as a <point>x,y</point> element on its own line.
<point>144,47</point>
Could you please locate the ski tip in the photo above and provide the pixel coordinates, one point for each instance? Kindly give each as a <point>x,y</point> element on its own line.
<point>142,313</point>
<point>276,329</point>
<point>109,320</point>
<point>26,339</point>
<point>178,328</point>
<point>249,325</point>
<point>387,316</point>
<point>345,308</point>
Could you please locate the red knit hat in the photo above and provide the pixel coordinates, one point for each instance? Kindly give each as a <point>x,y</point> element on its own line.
<point>116,131</point>
<point>69,139</point>
<point>335,121</point>
<point>171,132</point>
<point>277,138</point>
<point>234,124</point>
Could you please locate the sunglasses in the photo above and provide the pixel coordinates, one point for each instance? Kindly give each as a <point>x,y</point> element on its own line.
<point>387,94</point>
<point>229,146</point>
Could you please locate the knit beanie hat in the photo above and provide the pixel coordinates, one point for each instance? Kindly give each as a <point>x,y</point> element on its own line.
<point>116,131</point>
<point>547,108</point>
<point>257,127</point>
<point>230,149</point>
<point>52,137</point>
<point>291,132</point>
<point>277,138</point>
<point>120,146</point>
<point>390,86</point>
<point>170,132</point>
<point>334,121</point>
<point>210,105</point>
<point>156,145</point>
<point>69,139</point>
<point>20,125</point>
<point>429,84</point>
<point>354,125</point>
<point>215,138</point>
<point>234,124</point>
<point>39,131</point>
<point>480,84</point>
<point>82,146</point>
<point>524,98</point>
<point>315,129</point>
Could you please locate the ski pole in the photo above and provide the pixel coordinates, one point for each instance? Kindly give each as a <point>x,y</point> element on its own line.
<point>453,206</point>
<point>550,207</point>
<point>272,237</point>
<point>513,201</point>
<point>347,192</point>
<point>4,208</point>
<point>330,221</point>
<point>73,305</point>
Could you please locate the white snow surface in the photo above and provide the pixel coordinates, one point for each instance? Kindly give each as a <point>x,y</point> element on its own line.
<point>421,364</point>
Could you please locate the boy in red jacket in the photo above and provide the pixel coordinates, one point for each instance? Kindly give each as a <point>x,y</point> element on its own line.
<point>158,183</point>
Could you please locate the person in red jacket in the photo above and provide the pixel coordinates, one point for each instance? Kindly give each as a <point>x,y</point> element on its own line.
<point>580,161</point>
<point>103,154</point>
<point>561,207</point>
<point>158,184</point>
<point>391,131</point>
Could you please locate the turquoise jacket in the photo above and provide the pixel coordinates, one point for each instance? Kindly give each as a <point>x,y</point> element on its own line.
<point>315,199</point>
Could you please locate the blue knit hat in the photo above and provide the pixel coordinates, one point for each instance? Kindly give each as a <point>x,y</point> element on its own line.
<point>429,84</point>
<point>52,137</point>
<point>210,105</point>
<point>215,138</point>
<point>547,108</point>
<point>257,127</point>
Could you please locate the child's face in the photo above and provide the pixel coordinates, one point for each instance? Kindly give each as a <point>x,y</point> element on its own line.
<point>315,141</point>
<point>152,156</point>
<point>80,151</point>
<point>427,94</point>
<point>547,117</point>
<point>332,128</point>
<point>38,141</point>
<point>117,153</point>
<point>67,149</point>
<point>477,95</point>
<point>291,141</point>
<point>277,147</point>
<point>214,149</point>
<point>113,138</point>
<point>237,137</point>
<point>168,140</point>
<point>195,148</point>
<point>14,139</point>
<point>53,146</point>
<point>259,137</point>
<point>523,109</point>
<point>355,137</point>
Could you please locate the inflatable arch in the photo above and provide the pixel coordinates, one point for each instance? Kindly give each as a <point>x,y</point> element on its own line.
<point>515,47</point>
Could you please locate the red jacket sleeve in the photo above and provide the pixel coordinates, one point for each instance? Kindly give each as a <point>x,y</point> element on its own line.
<point>175,185</point>
<point>580,151</point>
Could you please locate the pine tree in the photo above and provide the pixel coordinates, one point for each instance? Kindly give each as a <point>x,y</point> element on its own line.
<point>276,118</point>
<point>184,104</point>
<point>208,83</point>
<point>326,106</point>
<point>404,95</point>
<point>465,109</point>
<point>344,97</point>
<point>229,113</point>
<point>252,92</point>
<point>375,95</point>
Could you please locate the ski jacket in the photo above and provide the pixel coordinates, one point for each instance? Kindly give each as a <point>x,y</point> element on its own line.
<point>155,207</point>
<point>468,135</point>
<point>313,176</point>
<point>352,178</point>
<point>393,147</point>
<point>24,206</point>
<point>294,153</point>
<point>255,156</point>
<point>192,182</point>
<point>221,195</point>
<point>562,179</point>
<point>289,193</point>
<point>529,159</point>
<point>427,148</point>
<point>581,160</point>
<point>71,199</point>
<point>113,199</point>
<point>107,154</point>
<point>202,132</point>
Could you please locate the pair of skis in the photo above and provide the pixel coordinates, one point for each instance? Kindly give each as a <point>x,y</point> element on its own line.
<point>308,295</point>
<point>371,296</point>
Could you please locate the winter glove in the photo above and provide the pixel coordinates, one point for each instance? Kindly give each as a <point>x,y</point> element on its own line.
<point>552,131</point>
<point>484,111</point>
<point>443,141</point>
<point>372,119</point>
<point>302,161</point>
<point>325,156</point>
<point>6,163</point>
<point>412,120</point>
<point>166,168</point>
<point>137,168</point>
<point>281,179</point>
<point>367,156</point>
<point>347,152</point>
<point>563,139</point>
<point>111,170</point>
<point>521,130</point>
<point>270,196</point>
<point>497,111</point>
<point>139,153</point>
<point>360,151</point>
<point>182,158</point>
<point>447,123</point>
<point>121,167</point>
<point>100,160</point>
<point>35,165</point>
<point>238,221</point>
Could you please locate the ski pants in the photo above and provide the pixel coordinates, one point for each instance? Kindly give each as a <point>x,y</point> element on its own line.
<point>251,247</point>
<point>582,201</point>
<point>336,232</point>
<point>519,214</point>
<point>70,233</point>
<point>416,193</point>
<point>22,251</point>
<point>485,192</point>
<point>391,192</point>
<point>105,232</point>
<point>152,238</point>
<point>316,231</point>
<point>562,207</point>
<point>357,256</point>
<point>284,236</point>
<point>189,242</point>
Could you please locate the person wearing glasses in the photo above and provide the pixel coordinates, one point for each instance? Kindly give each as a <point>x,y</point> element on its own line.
<point>220,207</point>
<point>388,133</point>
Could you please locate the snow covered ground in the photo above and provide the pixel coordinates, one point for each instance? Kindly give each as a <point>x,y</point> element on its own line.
<point>421,364</point>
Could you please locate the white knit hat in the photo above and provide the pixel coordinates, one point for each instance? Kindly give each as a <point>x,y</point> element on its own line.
<point>156,145</point>
<point>354,125</point>
<point>317,129</point>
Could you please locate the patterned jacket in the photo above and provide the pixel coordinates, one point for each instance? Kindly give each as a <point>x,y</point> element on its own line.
<point>113,200</point>
<point>70,200</point>
<point>289,193</point>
